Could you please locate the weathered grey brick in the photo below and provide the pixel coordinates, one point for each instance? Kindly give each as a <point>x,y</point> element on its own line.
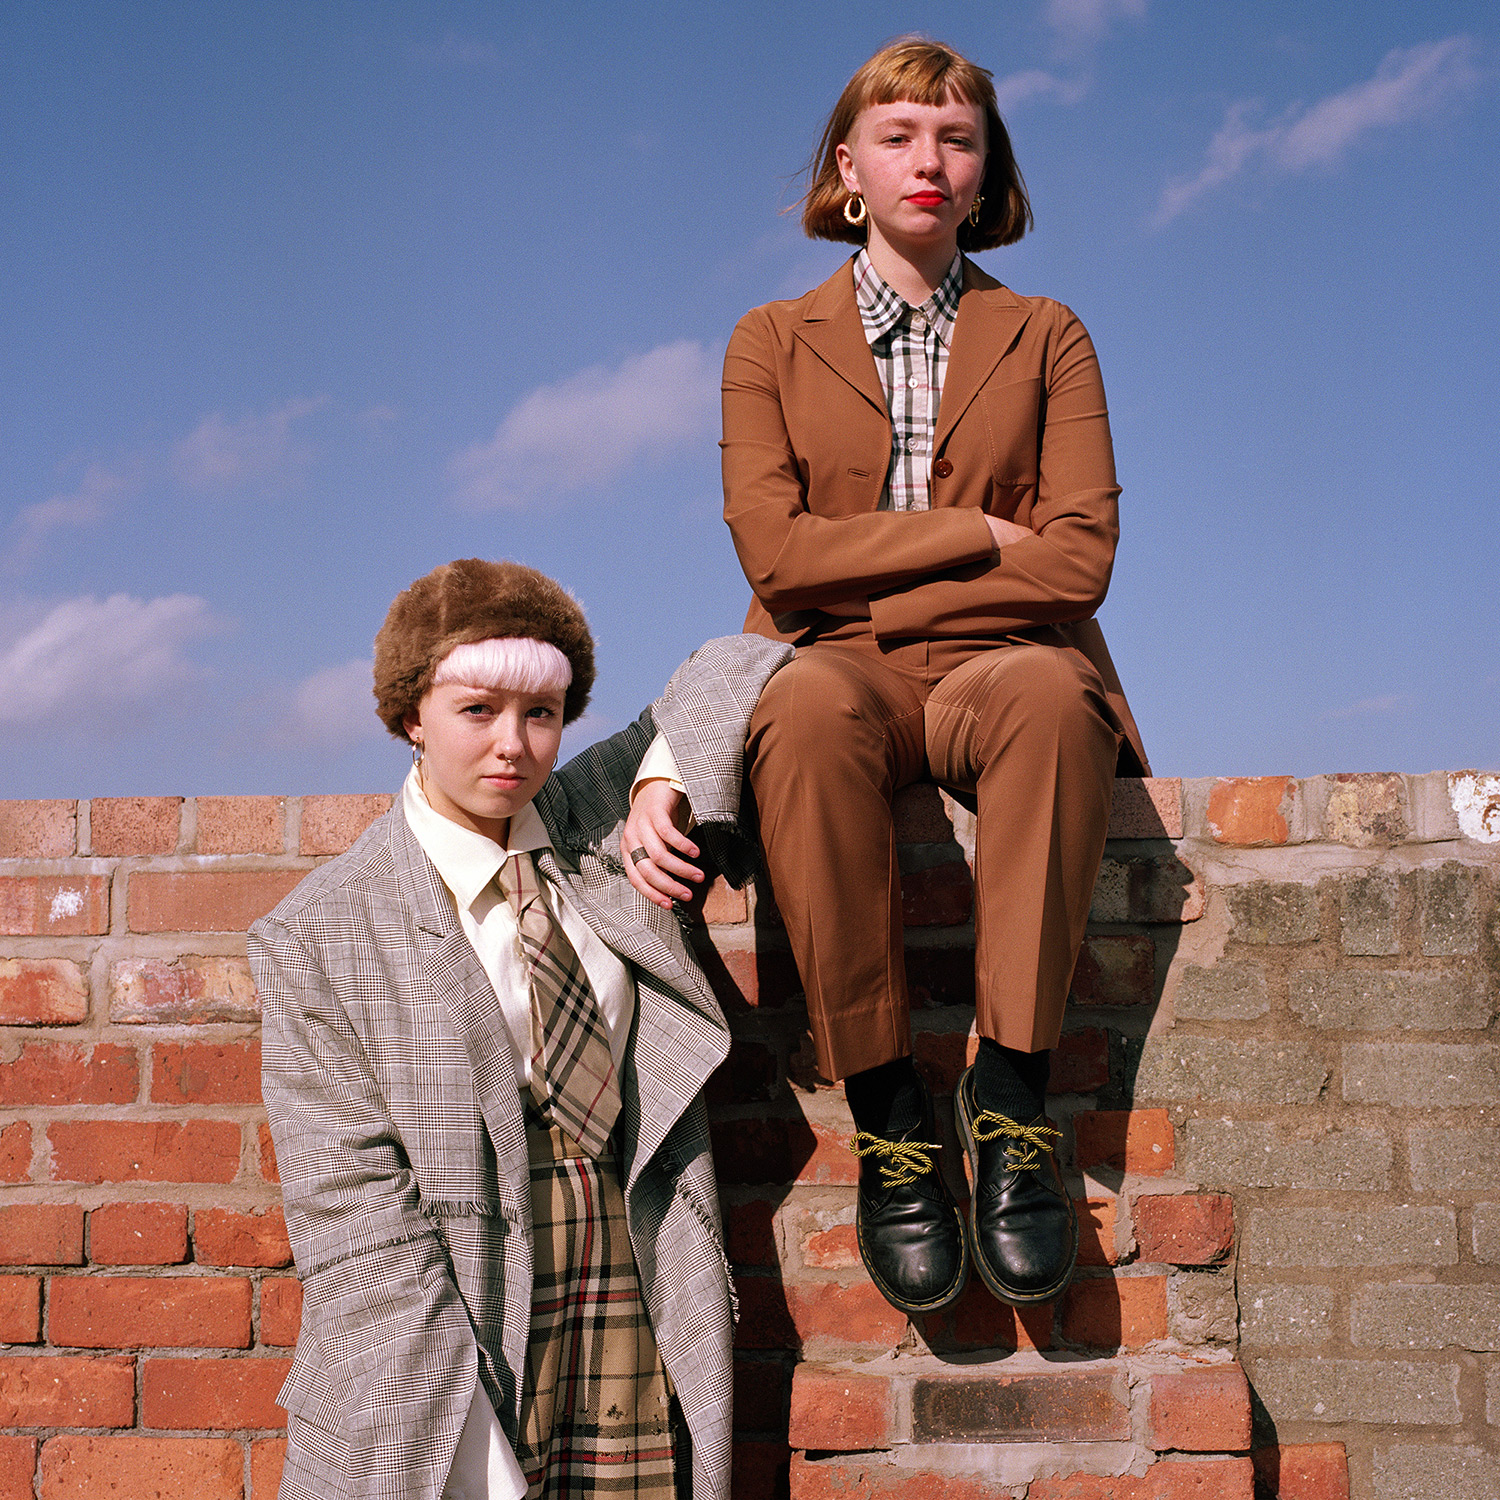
<point>1202,1308</point>
<point>1233,1153</point>
<point>1448,898</point>
<point>1215,1069</point>
<point>1466,1161</point>
<point>1367,915</point>
<point>1356,1390</point>
<point>1425,1316</point>
<point>1398,1235</point>
<point>1492,1395</point>
<point>1484,1231</point>
<point>1226,992</point>
<point>1286,1314</point>
<point>1268,911</point>
<point>1432,1472</point>
<point>1370,1000</point>
<point>1421,1075</point>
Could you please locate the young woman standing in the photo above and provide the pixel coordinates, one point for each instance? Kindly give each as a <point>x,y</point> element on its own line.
<point>920,483</point>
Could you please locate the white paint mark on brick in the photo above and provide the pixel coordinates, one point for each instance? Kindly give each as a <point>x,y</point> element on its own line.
<point>1476,800</point>
<point>65,903</point>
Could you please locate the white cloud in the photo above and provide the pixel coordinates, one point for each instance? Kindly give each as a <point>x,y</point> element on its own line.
<point>94,496</point>
<point>586,430</point>
<point>88,654</point>
<point>219,454</point>
<point>1410,83</point>
<point>1387,703</point>
<point>331,709</point>
<point>1081,22</point>
<point>1016,90</point>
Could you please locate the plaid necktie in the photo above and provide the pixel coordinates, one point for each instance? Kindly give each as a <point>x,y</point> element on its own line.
<point>572,1072</point>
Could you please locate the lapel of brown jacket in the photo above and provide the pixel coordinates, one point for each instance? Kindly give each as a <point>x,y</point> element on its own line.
<point>831,328</point>
<point>990,319</point>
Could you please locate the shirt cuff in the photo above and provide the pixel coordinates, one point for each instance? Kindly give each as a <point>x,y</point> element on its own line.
<point>657,764</point>
<point>484,1466</point>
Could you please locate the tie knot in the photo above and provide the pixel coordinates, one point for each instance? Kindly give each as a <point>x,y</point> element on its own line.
<point>523,889</point>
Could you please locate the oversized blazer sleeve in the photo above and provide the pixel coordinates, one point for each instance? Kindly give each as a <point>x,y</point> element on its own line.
<point>1022,433</point>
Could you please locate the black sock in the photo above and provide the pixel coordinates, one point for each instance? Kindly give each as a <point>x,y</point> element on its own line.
<point>1011,1083</point>
<point>886,1101</point>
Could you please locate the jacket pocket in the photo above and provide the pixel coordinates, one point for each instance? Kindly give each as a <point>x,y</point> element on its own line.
<point>1012,423</point>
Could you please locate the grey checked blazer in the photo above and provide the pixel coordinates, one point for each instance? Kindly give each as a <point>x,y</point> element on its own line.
<point>390,1085</point>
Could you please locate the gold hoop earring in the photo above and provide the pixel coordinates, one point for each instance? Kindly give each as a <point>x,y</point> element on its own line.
<point>974,210</point>
<point>854,219</point>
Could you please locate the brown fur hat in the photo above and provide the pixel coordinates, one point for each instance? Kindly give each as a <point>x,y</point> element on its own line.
<point>474,600</point>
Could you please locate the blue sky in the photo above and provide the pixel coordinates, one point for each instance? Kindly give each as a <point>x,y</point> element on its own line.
<point>303,299</point>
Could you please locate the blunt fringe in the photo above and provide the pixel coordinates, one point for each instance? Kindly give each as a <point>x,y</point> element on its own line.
<point>917,70</point>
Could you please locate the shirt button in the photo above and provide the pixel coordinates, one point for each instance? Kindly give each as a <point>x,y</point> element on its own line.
<point>918,321</point>
<point>911,445</point>
<point>942,468</point>
<point>913,383</point>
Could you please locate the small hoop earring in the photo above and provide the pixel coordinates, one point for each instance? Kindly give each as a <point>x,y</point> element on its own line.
<point>855,219</point>
<point>974,210</point>
<point>417,752</point>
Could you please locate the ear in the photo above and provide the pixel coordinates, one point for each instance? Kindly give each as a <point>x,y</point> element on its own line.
<point>845,159</point>
<point>412,720</point>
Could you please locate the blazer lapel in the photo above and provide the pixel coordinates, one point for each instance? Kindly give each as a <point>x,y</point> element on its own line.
<point>990,319</point>
<point>831,328</point>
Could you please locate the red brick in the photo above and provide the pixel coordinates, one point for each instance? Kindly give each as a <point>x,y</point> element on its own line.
<point>190,989</point>
<point>267,1459</point>
<point>1115,1312</point>
<point>1115,969</point>
<point>144,1150</point>
<point>936,977</point>
<point>134,825</point>
<point>38,830</point>
<point>780,1151</point>
<point>138,1234</point>
<point>1190,1229</point>
<point>331,824</point>
<point>750,1233</point>
<point>41,1234</point>
<point>20,1309</point>
<point>1065,1405</point>
<point>877,1478</point>
<point>720,905</point>
<point>760,1395</point>
<point>225,1394</point>
<point>149,1312</point>
<point>42,992</point>
<point>268,1168</point>
<point>941,1056</point>
<point>205,901</point>
<point>749,1075</point>
<point>280,1311</point>
<point>1246,810</point>
<point>939,896</point>
<point>205,1073</point>
<point>921,817</point>
<point>1080,1062</point>
<point>978,1321</point>
<point>1200,1411</point>
<point>146,1468</point>
<point>855,1314</point>
<point>15,1152</point>
<point>241,825</point>
<point>836,1412</point>
<point>759,1469</point>
<point>53,905</point>
<point>765,1320</point>
<point>17,1467</point>
<point>745,980</point>
<point>1135,1140</point>
<point>1096,1231</point>
<point>833,1249</point>
<point>222,1237</point>
<point>1212,1479</point>
<point>1302,1471</point>
<point>1146,808</point>
<point>66,1391</point>
<point>67,1073</point>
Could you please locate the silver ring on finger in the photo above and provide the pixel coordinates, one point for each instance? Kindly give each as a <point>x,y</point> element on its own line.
<point>639,854</point>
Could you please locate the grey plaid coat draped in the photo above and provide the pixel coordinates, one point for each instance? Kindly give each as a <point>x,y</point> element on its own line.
<point>389,1081</point>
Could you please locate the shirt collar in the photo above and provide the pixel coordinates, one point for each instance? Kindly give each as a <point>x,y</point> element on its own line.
<point>881,309</point>
<point>466,860</point>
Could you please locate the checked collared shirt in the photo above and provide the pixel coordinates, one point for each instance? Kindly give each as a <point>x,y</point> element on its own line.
<point>910,345</point>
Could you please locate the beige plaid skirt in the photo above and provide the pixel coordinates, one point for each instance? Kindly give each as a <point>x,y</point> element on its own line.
<point>596,1413</point>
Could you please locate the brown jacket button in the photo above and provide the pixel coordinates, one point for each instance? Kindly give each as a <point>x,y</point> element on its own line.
<point>942,468</point>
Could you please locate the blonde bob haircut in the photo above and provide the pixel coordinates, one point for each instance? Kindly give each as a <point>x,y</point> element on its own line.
<point>915,70</point>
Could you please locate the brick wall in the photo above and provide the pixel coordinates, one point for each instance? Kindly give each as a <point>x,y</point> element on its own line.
<point>1278,1090</point>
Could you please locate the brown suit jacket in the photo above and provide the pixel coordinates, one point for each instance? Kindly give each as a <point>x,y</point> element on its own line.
<point>1022,433</point>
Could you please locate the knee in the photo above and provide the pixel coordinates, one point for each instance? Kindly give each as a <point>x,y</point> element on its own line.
<point>1051,691</point>
<point>809,709</point>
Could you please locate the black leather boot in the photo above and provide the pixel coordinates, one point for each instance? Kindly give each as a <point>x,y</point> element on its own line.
<point>911,1233</point>
<point>1023,1229</point>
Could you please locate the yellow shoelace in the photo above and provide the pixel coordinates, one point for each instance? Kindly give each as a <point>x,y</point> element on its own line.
<point>1029,1139</point>
<point>908,1160</point>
